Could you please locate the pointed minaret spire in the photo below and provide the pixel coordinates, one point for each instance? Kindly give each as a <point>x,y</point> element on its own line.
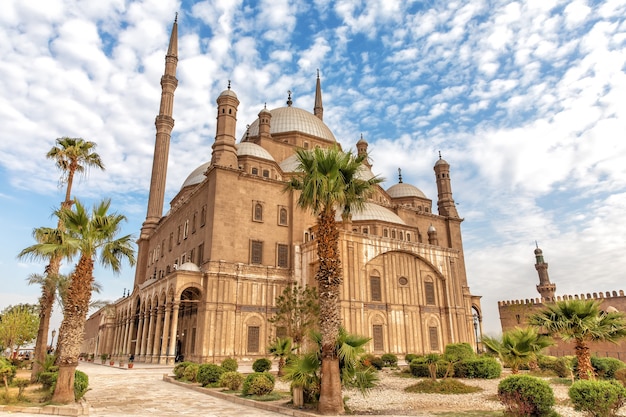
<point>318,110</point>
<point>545,287</point>
<point>164,123</point>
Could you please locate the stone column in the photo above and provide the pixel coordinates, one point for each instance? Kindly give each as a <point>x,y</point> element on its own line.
<point>157,335</point>
<point>144,336</point>
<point>138,338</point>
<point>150,338</point>
<point>173,331</point>
<point>166,331</point>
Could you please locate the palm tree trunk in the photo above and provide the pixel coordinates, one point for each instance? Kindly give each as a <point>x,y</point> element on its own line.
<point>46,302</point>
<point>75,310</point>
<point>585,369</point>
<point>329,279</point>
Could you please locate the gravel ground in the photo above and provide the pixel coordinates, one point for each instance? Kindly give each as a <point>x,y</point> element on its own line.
<point>389,398</point>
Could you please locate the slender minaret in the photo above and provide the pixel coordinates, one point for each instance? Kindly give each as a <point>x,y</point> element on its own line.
<point>361,148</point>
<point>164,125</point>
<point>318,110</point>
<point>545,287</point>
<point>445,202</point>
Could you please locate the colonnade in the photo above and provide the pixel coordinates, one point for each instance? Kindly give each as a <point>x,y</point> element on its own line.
<point>150,335</point>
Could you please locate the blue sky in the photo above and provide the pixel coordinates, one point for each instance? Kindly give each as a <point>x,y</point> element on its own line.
<point>525,100</point>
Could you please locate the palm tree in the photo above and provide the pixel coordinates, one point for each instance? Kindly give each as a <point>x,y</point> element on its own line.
<point>328,179</point>
<point>282,348</point>
<point>71,155</point>
<point>518,347</point>
<point>91,236</point>
<point>582,322</point>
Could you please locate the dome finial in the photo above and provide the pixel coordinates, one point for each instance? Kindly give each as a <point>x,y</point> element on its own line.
<point>229,84</point>
<point>176,18</point>
<point>265,106</point>
<point>439,154</point>
<point>399,175</point>
<point>318,73</point>
<point>289,102</point>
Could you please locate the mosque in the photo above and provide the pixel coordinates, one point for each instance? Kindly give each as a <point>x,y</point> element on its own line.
<point>210,269</point>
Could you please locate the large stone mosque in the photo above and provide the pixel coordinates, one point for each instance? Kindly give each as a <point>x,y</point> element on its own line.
<point>210,269</point>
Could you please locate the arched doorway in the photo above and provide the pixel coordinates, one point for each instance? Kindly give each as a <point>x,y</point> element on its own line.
<point>187,323</point>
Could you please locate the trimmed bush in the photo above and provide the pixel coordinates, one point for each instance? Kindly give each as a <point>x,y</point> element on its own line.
<point>230,364</point>
<point>606,367</point>
<point>179,369</point>
<point>389,359</point>
<point>419,368</point>
<point>258,383</point>
<point>231,380</point>
<point>524,395</point>
<point>262,365</point>
<point>191,372</point>
<point>597,398</point>
<point>48,379</point>
<point>410,356</point>
<point>561,366</point>
<point>456,352</point>
<point>81,384</point>
<point>209,373</point>
<point>484,368</point>
<point>373,361</point>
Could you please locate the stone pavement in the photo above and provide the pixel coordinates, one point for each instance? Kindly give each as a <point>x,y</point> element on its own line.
<point>141,392</point>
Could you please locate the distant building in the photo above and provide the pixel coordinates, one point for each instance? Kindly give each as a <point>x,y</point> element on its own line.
<point>210,269</point>
<point>515,313</point>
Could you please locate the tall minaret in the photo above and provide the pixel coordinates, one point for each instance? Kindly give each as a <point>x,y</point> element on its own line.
<point>445,203</point>
<point>164,125</point>
<point>545,287</point>
<point>318,110</point>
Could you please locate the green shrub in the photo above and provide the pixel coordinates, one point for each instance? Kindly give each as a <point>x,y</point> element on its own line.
<point>209,373</point>
<point>231,380</point>
<point>179,369</point>
<point>410,356</point>
<point>262,365</point>
<point>606,367</point>
<point>373,361</point>
<point>258,383</point>
<point>389,359</point>
<point>230,364</point>
<point>443,386</point>
<point>191,372</point>
<point>524,395</point>
<point>597,398</point>
<point>81,384</point>
<point>419,367</point>
<point>620,375</point>
<point>456,352</point>
<point>484,368</point>
<point>7,369</point>
<point>48,379</point>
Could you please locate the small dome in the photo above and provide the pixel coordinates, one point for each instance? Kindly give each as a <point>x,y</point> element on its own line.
<point>432,229</point>
<point>228,92</point>
<point>441,161</point>
<point>293,119</point>
<point>189,266</point>
<point>405,190</point>
<point>197,175</point>
<point>290,163</point>
<point>538,251</point>
<point>252,149</point>
<point>373,211</point>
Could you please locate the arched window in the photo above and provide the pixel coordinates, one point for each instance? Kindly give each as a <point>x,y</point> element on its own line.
<point>255,171</point>
<point>258,212</point>
<point>282,216</point>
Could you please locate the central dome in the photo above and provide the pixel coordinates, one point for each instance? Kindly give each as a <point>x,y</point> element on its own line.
<point>293,119</point>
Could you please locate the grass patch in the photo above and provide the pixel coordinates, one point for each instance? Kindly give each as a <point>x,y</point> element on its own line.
<point>561,381</point>
<point>272,396</point>
<point>443,386</point>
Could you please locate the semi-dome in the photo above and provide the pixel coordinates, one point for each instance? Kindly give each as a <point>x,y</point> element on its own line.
<point>405,190</point>
<point>189,266</point>
<point>373,211</point>
<point>252,149</point>
<point>293,119</point>
<point>197,175</point>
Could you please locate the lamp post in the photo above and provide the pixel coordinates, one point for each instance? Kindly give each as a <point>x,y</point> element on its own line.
<point>54,333</point>
<point>475,317</point>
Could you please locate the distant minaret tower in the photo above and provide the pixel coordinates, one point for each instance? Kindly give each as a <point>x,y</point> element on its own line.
<point>545,287</point>
<point>361,148</point>
<point>164,125</point>
<point>224,149</point>
<point>445,203</point>
<point>318,110</point>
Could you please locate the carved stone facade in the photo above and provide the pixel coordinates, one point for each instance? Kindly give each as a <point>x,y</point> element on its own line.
<point>209,271</point>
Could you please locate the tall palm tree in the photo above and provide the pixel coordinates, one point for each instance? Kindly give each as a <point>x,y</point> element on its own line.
<point>71,155</point>
<point>518,347</point>
<point>91,236</point>
<point>329,179</point>
<point>582,322</point>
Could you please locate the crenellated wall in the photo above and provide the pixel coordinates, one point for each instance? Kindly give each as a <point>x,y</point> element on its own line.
<point>588,296</point>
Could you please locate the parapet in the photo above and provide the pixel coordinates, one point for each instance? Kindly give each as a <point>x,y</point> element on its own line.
<point>587,296</point>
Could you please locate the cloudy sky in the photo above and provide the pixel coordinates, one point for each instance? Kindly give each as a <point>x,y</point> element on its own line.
<point>525,100</point>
